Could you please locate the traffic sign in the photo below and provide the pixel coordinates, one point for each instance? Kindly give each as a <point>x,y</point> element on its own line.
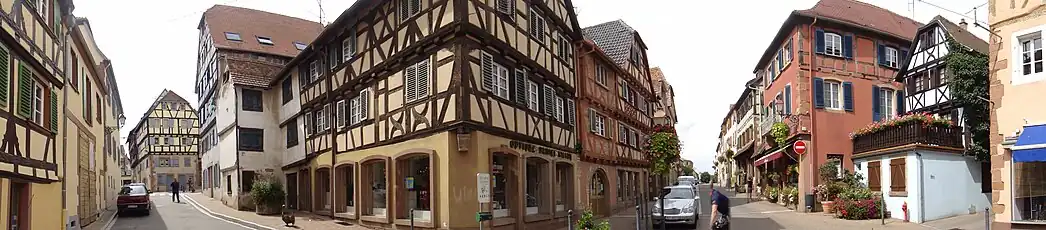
<point>483,187</point>
<point>799,147</point>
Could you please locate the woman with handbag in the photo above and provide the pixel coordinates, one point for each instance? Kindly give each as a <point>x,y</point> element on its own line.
<point>720,211</point>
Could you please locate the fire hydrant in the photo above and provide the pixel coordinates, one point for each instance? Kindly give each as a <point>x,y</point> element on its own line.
<point>904,208</point>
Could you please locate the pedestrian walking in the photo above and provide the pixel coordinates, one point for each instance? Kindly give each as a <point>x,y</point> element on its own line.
<point>175,187</point>
<point>748,184</point>
<point>720,211</point>
<point>190,185</point>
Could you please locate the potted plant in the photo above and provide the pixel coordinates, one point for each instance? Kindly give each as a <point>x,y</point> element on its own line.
<point>268,195</point>
<point>588,222</point>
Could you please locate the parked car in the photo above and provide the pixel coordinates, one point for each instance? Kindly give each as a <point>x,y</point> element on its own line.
<point>681,206</point>
<point>134,197</point>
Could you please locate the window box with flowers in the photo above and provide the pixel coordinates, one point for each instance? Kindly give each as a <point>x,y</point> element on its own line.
<point>919,128</point>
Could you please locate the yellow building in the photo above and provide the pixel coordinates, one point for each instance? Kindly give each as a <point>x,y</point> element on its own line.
<point>1018,79</point>
<point>93,117</point>
<point>162,145</point>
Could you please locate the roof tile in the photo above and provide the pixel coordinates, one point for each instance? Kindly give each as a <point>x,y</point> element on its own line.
<point>864,14</point>
<point>250,24</point>
<point>614,38</point>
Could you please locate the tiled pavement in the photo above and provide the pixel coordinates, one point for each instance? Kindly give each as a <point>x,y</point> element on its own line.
<point>105,220</point>
<point>302,220</point>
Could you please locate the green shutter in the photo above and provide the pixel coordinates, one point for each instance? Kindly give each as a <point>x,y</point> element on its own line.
<point>25,92</point>
<point>5,76</point>
<point>54,111</point>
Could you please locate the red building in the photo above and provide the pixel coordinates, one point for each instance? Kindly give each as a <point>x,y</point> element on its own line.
<point>829,71</point>
<point>614,106</point>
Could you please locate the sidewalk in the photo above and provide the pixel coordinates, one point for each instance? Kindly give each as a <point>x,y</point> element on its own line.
<point>105,220</point>
<point>302,220</point>
<point>764,214</point>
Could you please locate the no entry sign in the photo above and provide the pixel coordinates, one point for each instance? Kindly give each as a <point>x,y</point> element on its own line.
<point>799,147</point>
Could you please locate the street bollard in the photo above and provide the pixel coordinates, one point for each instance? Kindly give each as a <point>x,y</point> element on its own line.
<point>570,223</point>
<point>987,219</point>
<point>639,217</point>
<point>412,219</point>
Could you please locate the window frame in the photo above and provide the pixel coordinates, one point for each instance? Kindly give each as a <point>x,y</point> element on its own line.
<point>828,100</point>
<point>501,81</point>
<point>598,123</point>
<point>243,133</point>
<point>559,109</point>
<point>601,75</point>
<point>1027,47</point>
<point>417,86</point>
<point>257,105</point>
<point>537,20</point>
<point>233,36</point>
<point>887,103</point>
<point>287,90</point>
<point>38,104</point>
<point>833,44</point>
<point>348,45</point>
<point>265,40</point>
<point>892,58</point>
<point>411,5</point>
<point>533,96</point>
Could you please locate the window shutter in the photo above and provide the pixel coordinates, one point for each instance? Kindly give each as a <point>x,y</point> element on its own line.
<point>591,120</point>
<point>903,59</point>
<point>881,54</point>
<point>848,46</point>
<point>505,6</point>
<point>900,102</point>
<point>521,87</point>
<point>488,72</point>
<point>549,101</point>
<point>25,92</point>
<point>5,76</point>
<point>54,111</point>
<point>780,60</point>
<point>820,41</point>
<point>788,99</point>
<point>876,114</point>
<point>410,81</point>
<point>404,9</point>
<point>818,92</point>
<point>364,104</point>
<point>422,83</point>
<point>848,96</point>
<point>571,113</point>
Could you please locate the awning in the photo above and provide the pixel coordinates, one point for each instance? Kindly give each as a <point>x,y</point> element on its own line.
<point>1031,145</point>
<point>769,157</point>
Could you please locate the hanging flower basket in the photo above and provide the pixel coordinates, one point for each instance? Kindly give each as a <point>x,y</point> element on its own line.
<point>921,118</point>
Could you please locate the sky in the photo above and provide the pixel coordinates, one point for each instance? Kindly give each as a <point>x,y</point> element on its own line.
<point>707,49</point>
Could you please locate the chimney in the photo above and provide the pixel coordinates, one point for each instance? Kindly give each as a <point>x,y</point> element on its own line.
<point>962,22</point>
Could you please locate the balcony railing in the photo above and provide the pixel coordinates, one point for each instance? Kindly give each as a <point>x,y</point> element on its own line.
<point>912,133</point>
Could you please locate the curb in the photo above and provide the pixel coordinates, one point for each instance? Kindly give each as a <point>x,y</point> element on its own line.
<point>112,221</point>
<point>234,220</point>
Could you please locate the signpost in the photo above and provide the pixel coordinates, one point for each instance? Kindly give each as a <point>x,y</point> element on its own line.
<point>799,147</point>
<point>483,195</point>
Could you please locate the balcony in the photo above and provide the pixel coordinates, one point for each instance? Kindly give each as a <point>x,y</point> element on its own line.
<point>909,133</point>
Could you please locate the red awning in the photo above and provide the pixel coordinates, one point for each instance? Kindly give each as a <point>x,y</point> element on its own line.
<point>769,157</point>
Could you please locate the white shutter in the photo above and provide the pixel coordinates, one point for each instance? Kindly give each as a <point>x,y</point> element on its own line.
<point>364,103</point>
<point>488,71</point>
<point>548,100</point>
<point>506,6</point>
<point>422,84</point>
<point>521,87</point>
<point>410,81</point>
<point>571,113</point>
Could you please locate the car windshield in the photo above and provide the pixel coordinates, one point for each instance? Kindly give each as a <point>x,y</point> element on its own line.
<point>680,193</point>
<point>133,190</point>
<point>685,183</point>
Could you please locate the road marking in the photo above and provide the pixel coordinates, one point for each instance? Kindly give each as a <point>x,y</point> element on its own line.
<point>109,226</point>
<point>208,212</point>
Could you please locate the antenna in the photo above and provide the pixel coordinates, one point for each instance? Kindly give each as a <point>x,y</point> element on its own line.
<point>911,6</point>
<point>320,3</point>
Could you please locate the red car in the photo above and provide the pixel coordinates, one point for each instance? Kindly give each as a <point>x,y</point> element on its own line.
<point>134,197</point>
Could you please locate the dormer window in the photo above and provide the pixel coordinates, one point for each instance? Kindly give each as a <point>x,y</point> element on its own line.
<point>299,45</point>
<point>265,40</point>
<point>232,36</point>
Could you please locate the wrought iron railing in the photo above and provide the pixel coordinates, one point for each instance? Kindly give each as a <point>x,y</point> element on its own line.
<point>913,133</point>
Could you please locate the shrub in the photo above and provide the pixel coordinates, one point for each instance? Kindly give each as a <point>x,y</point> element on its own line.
<point>858,193</point>
<point>267,191</point>
<point>588,222</point>
<point>858,209</point>
<point>772,194</point>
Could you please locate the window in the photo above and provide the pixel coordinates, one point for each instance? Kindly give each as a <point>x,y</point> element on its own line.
<point>38,103</point>
<point>251,139</point>
<point>559,109</point>
<point>252,100</point>
<point>1031,55</point>
<point>833,44</point>
<point>409,8</point>
<point>360,107</point>
<point>1029,191</point>
<point>506,6</point>
<point>565,48</point>
<point>918,82</point>
<point>41,7</point>
<point>232,36</point>
<point>340,106</point>
<point>188,162</point>
<point>501,84</point>
<point>502,172</point>
<point>288,93</point>
<point>598,123</point>
<point>165,162</point>
<point>321,119</point>
<point>941,77</point>
<point>898,177</point>
<point>833,95</point>
<point>601,75</point>
<point>168,141</point>
<point>537,26</point>
<point>417,81</point>
<point>891,57</point>
<point>265,40</point>
<point>532,96</point>
<point>308,123</point>
<point>299,45</point>
<point>535,185</point>
<point>788,51</point>
<point>292,133</point>
<point>348,46</point>
<point>495,77</point>
<point>314,70</point>
<point>414,172</point>
<point>374,178</point>
<point>564,186</point>
<point>887,103</point>
<point>174,162</point>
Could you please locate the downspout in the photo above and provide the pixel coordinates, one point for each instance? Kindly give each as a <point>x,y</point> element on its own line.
<point>813,125</point>
<point>65,121</point>
<point>922,199</point>
<point>236,123</point>
<point>334,137</point>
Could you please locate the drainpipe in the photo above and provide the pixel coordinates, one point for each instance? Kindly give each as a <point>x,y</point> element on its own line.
<point>334,137</point>
<point>65,122</point>
<point>811,112</point>
<point>922,182</point>
<point>236,123</point>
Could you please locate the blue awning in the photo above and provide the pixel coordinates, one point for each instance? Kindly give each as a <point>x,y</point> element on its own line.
<point>1031,145</point>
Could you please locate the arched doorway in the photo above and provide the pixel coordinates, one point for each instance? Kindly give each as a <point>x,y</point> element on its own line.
<point>597,198</point>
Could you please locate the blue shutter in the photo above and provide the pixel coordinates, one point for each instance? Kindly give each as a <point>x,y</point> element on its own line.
<point>818,92</point>
<point>848,46</point>
<point>875,104</point>
<point>848,96</point>
<point>903,59</point>
<point>881,54</point>
<point>819,36</point>
<point>788,99</point>
<point>780,60</point>
<point>900,102</point>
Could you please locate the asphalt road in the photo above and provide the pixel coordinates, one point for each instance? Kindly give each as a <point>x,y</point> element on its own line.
<point>167,215</point>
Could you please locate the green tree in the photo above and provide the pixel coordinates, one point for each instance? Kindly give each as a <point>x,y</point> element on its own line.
<point>705,177</point>
<point>662,151</point>
<point>968,82</point>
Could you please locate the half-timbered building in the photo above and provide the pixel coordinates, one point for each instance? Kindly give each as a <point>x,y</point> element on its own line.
<point>163,145</point>
<point>615,103</point>
<point>32,49</point>
<point>405,102</point>
<point>665,108</point>
<point>240,51</point>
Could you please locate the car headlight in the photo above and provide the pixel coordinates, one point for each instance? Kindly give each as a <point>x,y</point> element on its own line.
<point>688,209</point>
<point>655,210</point>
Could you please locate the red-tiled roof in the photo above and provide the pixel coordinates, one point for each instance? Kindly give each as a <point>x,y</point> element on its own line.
<point>865,15</point>
<point>250,24</point>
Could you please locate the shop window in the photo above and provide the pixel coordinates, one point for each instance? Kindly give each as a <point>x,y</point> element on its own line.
<point>415,193</point>
<point>346,201</point>
<point>564,179</point>
<point>1029,191</point>
<point>501,175</point>
<point>376,198</point>
<point>536,171</point>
